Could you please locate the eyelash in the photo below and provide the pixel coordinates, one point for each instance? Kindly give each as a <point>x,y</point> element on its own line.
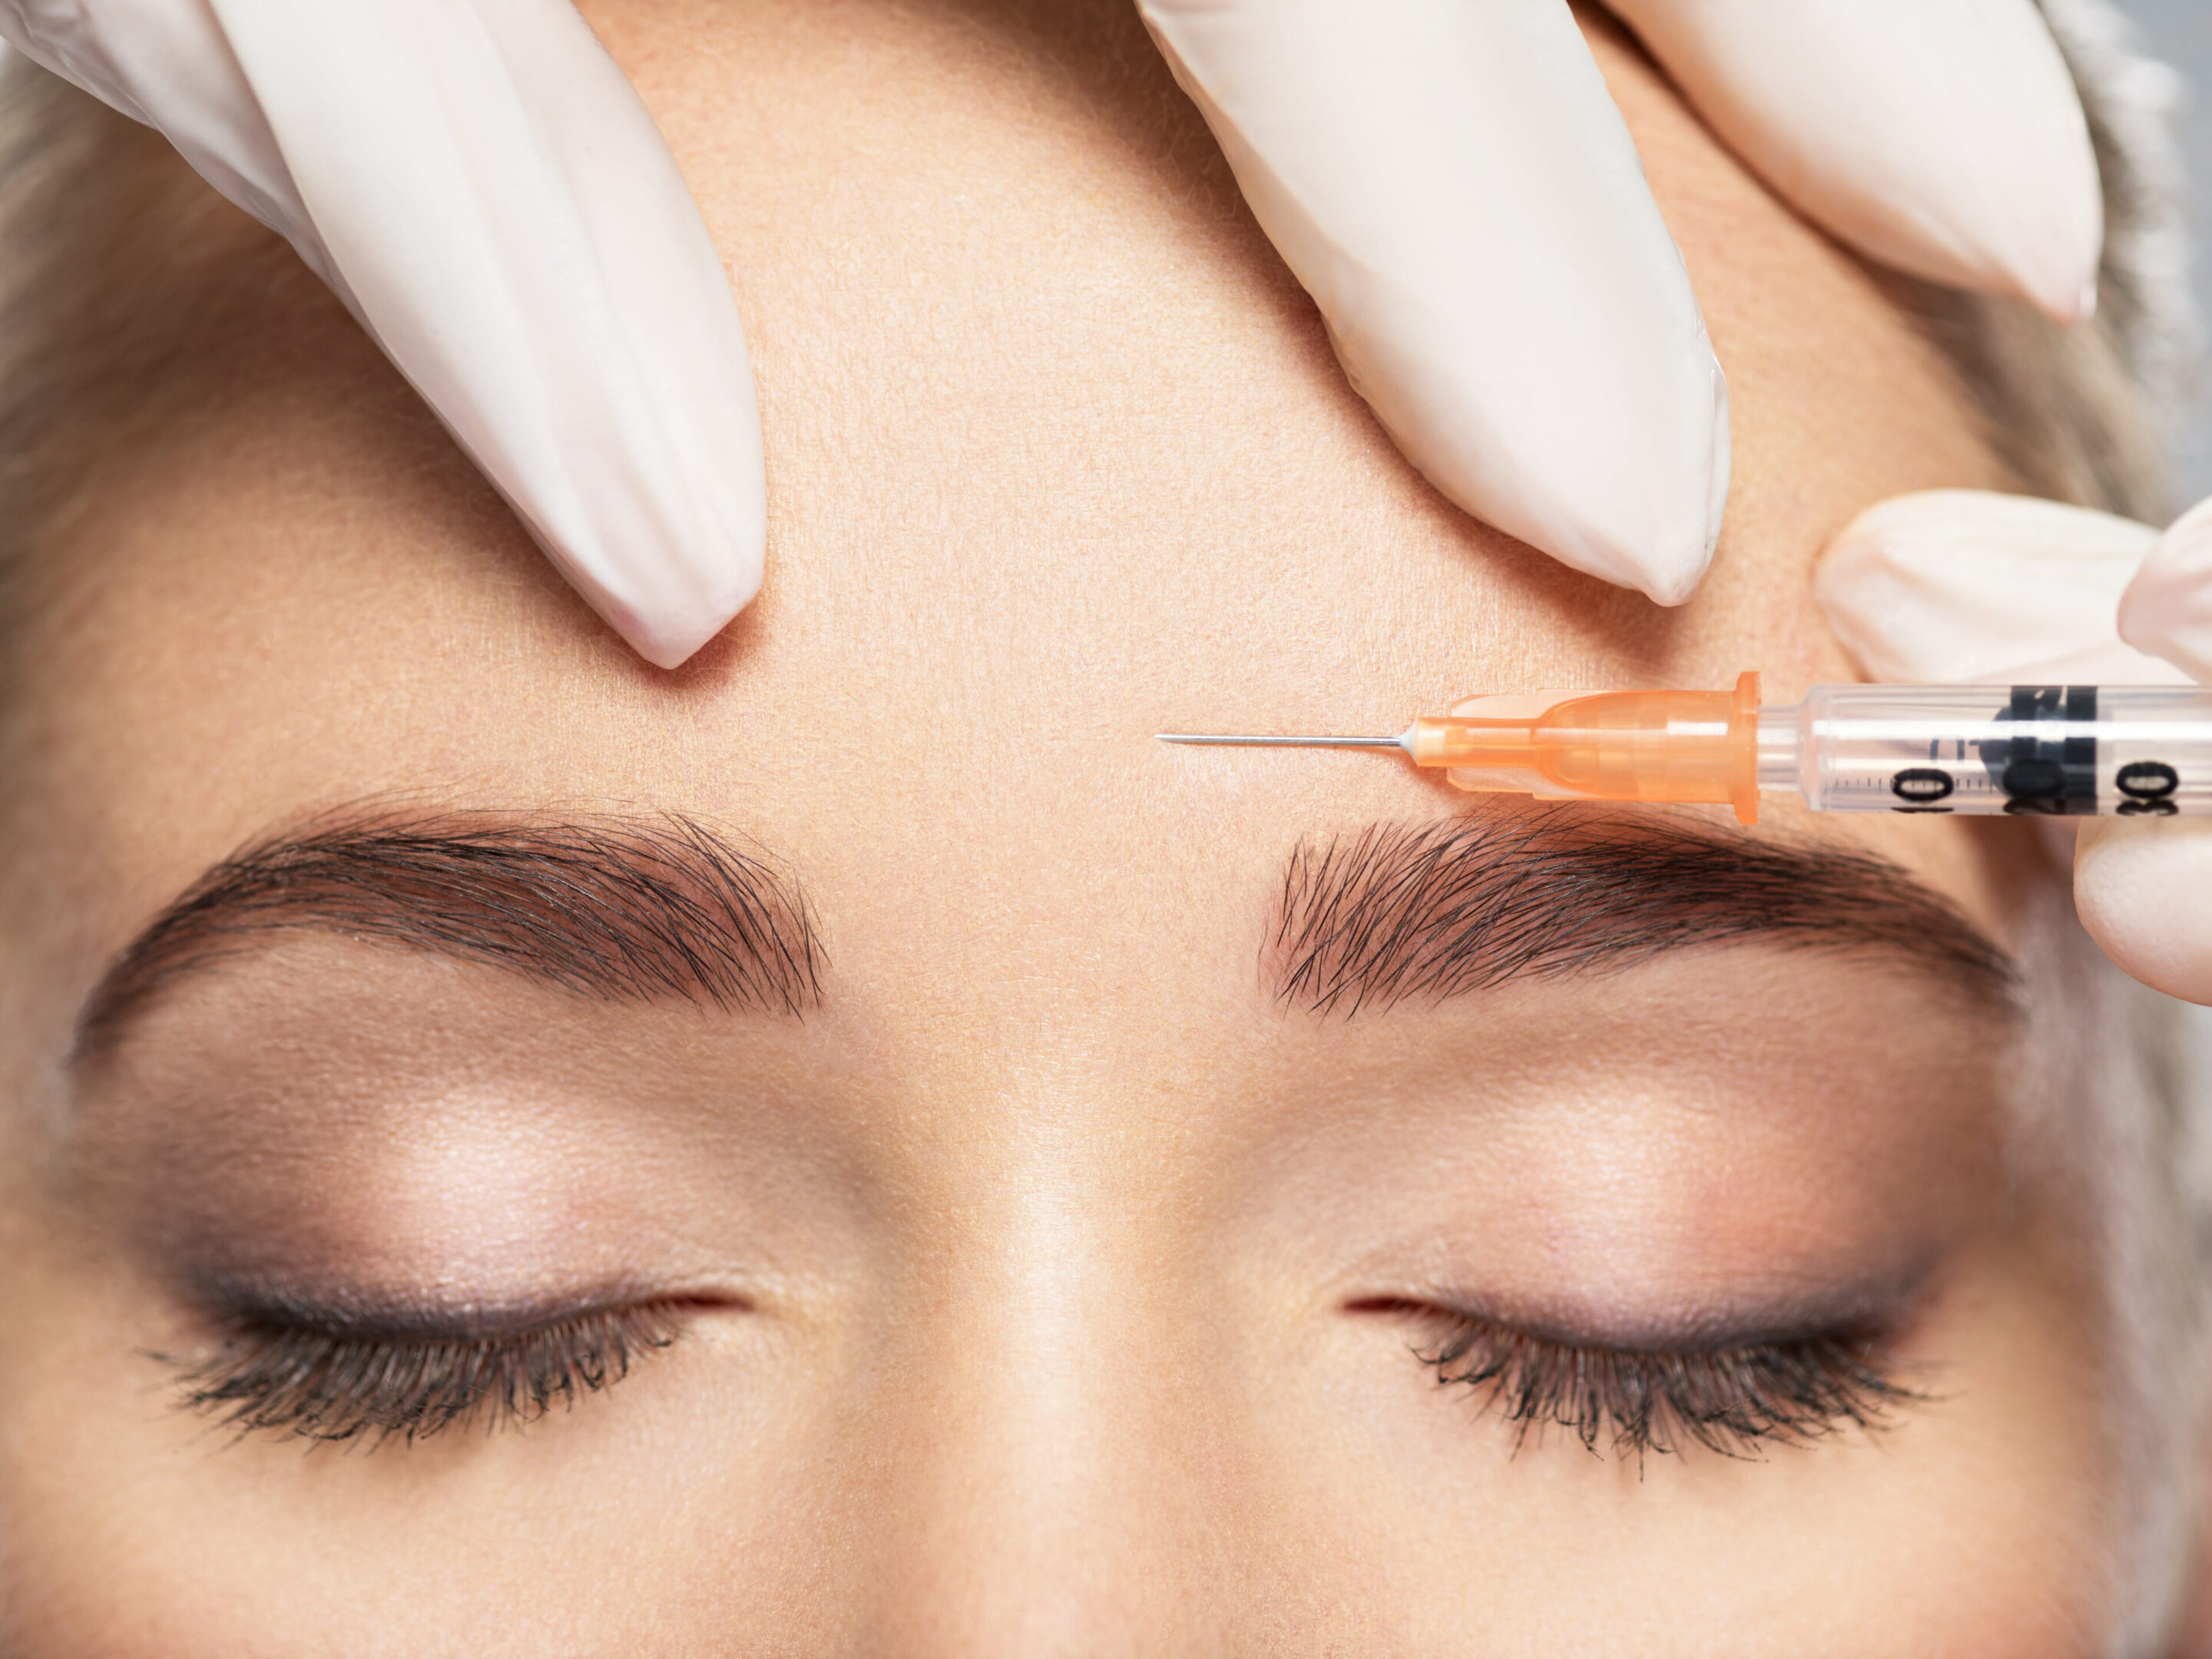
<point>297,1373</point>
<point>1736,1401</point>
<point>288,1377</point>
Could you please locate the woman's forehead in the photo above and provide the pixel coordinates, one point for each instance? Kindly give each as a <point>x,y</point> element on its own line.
<point>1058,457</point>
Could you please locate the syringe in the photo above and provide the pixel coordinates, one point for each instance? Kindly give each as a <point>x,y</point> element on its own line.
<point>2062,749</point>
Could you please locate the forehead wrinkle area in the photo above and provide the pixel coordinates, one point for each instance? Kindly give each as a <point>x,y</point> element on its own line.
<point>1458,905</point>
<point>640,910</point>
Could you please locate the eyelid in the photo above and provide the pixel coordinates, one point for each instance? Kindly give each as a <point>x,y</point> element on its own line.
<point>1734,1397</point>
<point>342,1371</point>
<point>1791,1296</point>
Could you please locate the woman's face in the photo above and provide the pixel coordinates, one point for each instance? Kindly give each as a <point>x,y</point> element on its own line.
<point>963,1176</point>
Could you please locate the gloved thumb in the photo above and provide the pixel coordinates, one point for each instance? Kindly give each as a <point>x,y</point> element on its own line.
<point>2143,885</point>
<point>1970,586</point>
<point>2167,608</point>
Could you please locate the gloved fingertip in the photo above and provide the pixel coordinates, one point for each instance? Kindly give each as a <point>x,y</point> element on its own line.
<point>2062,304</point>
<point>673,640</point>
<point>1670,582</point>
<point>1943,137</point>
<point>1622,535</point>
<point>1455,188</point>
<point>669,607</point>
<point>2143,890</point>
<point>1969,585</point>
<point>2167,608</point>
<point>2047,252</point>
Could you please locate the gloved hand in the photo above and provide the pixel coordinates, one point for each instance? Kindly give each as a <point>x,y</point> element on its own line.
<point>1452,183</point>
<point>1959,584</point>
<point>480,185</point>
<point>1447,177</point>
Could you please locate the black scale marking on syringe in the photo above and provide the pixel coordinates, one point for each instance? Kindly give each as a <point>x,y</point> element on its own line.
<point>2045,766</point>
<point>2048,763</point>
<point>1920,788</point>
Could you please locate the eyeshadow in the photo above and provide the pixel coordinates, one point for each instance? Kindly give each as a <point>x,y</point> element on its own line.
<point>1844,1297</point>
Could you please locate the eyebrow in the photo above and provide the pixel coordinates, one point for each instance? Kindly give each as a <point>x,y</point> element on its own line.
<point>1458,905</point>
<point>640,909</point>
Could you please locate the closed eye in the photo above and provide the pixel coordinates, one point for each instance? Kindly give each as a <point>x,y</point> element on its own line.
<point>288,1368</point>
<point>1736,1401</point>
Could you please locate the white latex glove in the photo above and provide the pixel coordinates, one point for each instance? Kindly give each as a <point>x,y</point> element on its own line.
<point>479,182</point>
<point>1446,176</point>
<point>1958,585</point>
<point>1452,183</point>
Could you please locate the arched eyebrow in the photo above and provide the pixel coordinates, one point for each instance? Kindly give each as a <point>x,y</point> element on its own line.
<point>645,909</point>
<point>1443,908</point>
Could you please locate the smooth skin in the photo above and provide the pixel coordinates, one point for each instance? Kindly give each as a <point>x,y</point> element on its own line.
<point>1058,1284</point>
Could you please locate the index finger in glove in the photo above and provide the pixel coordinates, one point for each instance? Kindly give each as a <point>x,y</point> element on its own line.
<point>1454,187</point>
<point>2143,886</point>
<point>1940,137</point>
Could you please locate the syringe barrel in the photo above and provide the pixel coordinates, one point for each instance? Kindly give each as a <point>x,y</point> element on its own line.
<point>2034,749</point>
